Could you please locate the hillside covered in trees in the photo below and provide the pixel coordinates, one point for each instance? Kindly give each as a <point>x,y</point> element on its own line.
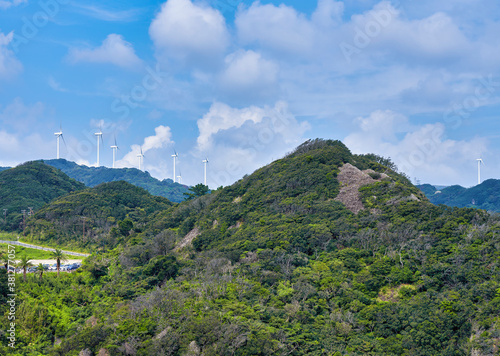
<point>320,253</point>
<point>81,218</point>
<point>92,176</point>
<point>483,196</point>
<point>32,184</point>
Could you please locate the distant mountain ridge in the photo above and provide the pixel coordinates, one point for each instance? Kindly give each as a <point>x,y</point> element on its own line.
<point>483,196</point>
<point>92,176</point>
<point>32,184</point>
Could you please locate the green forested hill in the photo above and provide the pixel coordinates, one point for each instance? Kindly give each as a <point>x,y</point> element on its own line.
<point>109,209</point>
<point>32,184</point>
<point>483,196</point>
<point>279,263</point>
<point>92,176</point>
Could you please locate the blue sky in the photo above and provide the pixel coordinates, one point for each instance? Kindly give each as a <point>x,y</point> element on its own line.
<point>243,83</point>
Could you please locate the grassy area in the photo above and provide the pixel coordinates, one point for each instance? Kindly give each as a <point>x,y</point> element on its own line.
<point>8,236</point>
<point>32,253</point>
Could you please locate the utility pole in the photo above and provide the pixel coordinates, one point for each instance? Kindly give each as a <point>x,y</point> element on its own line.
<point>30,211</point>
<point>5,215</point>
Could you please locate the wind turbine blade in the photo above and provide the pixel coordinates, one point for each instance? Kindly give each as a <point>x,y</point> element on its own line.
<point>64,140</point>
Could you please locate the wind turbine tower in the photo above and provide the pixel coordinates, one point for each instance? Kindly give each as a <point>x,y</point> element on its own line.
<point>479,162</point>
<point>141,157</point>
<point>59,135</point>
<point>99,138</point>
<point>179,177</point>
<point>205,161</point>
<point>175,155</point>
<point>114,148</point>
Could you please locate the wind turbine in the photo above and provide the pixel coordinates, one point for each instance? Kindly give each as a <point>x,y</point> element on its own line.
<point>180,177</point>
<point>114,148</point>
<point>99,138</point>
<point>175,155</point>
<point>205,161</point>
<point>59,135</point>
<point>479,162</point>
<point>141,157</point>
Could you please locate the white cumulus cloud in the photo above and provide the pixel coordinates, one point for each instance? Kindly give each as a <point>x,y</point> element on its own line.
<point>248,73</point>
<point>238,141</point>
<point>421,151</point>
<point>277,28</point>
<point>328,13</point>
<point>189,32</point>
<point>16,149</point>
<point>114,50</point>
<point>154,158</point>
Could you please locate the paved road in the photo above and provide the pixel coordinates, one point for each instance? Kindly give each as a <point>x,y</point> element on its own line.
<point>43,248</point>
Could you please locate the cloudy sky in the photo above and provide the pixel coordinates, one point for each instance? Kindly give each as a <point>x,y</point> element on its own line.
<point>242,83</point>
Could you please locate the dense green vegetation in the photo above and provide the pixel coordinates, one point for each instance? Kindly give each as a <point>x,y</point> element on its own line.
<point>93,176</point>
<point>196,191</point>
<point>8,236</point>
<point>32,184</point>
<point>483,196</point>
<point>277,266</point>
<point>82,218</point>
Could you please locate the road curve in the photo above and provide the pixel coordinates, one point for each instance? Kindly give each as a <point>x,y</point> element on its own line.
<point>43,248</point>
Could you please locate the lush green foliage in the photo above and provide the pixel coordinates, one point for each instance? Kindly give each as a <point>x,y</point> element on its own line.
<point>483,196</point>
<point>197,191</point>
<point>93,176</point>
<point>279,267</point>
<point>83,218</point>
<point>8,236</point>
<point>31,184</point>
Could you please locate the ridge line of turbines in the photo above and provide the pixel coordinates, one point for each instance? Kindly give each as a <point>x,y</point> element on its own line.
<point>114,147</point>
